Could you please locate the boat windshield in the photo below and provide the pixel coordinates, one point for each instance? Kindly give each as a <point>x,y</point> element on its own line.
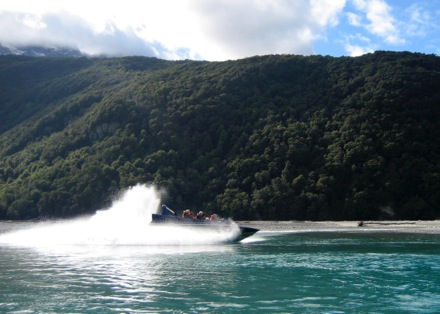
<point>167,211</point>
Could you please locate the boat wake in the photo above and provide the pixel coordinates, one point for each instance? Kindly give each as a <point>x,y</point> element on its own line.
<point>125,223</point>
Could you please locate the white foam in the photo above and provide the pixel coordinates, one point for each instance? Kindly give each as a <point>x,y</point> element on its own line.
<point>126,222</point>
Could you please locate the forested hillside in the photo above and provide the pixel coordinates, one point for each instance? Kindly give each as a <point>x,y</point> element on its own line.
<point>271,137</point>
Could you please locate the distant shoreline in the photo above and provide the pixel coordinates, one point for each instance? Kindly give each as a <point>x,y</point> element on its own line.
<point>398,226</point>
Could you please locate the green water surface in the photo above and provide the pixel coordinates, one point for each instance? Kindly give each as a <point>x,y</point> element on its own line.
<point>311,272</point>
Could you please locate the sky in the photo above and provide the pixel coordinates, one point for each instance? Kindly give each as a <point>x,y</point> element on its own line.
<point>218,30</point>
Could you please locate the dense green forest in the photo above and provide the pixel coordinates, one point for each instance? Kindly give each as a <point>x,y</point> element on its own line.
<point>272,137</point>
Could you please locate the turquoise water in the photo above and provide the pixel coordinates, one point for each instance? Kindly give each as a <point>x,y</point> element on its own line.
<point>116,262</point>
<point>292,272</point>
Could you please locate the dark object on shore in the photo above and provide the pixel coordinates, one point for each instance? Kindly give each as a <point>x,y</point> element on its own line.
<point>360,224</point>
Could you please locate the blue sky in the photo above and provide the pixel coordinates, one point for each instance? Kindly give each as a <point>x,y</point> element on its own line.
<point>402,25</point>
<point>223,29</point>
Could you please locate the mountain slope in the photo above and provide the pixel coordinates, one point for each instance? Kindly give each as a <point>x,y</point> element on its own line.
<point>273,137</point>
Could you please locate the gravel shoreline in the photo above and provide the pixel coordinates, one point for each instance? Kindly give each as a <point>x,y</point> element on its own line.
<point>399,226</point>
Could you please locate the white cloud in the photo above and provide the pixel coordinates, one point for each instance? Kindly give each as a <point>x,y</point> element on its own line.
<point>212,30</point>
<point>354,19</point>
<point>355,50</point>
<point>220,29</point>
<point>381,21</point>
<point>420,21</point>
<point>327,12</point>
<point>65,30</point>
<point>357,45</point>
<point>235,29</point>
<point>33,22</point>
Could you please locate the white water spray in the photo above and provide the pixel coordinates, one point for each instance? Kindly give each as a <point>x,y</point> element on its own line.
<point>126,222</point>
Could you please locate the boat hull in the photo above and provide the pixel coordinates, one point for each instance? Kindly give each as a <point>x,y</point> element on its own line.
<point>245,232</point>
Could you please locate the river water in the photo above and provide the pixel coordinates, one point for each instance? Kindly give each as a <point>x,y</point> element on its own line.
<point>90,266</point>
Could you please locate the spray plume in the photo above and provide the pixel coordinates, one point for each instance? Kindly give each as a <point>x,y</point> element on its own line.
<point>126,222</point>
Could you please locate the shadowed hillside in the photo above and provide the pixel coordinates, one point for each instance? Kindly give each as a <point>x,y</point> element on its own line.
<point>272,137</point>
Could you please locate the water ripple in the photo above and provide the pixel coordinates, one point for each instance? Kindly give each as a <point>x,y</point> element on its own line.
<point>283,274</point>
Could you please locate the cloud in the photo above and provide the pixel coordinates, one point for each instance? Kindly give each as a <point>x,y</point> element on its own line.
<point>235,29</point>
<point>421,21</point>
<point>354,19</point>
<point>65,30</point>
<point>371,24</point>
<point>196,29</point>
<point>221,29</point>
<point>356,50</point>
<point>381,21</point>
<point>361,46</point>
<point>327,12</point>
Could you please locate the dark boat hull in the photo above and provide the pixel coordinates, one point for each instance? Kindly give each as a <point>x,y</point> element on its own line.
<point>245,232</point>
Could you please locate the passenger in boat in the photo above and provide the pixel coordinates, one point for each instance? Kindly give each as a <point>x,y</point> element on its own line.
<point>188,214</point>
<point>213,217</point>
<point>200,216</point>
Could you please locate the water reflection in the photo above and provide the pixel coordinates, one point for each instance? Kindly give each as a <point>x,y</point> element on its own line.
<point>108,276</point>
<point>284,273</point>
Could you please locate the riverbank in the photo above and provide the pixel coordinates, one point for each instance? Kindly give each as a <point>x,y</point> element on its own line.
<point>398,226</point>
<point>401,226</point>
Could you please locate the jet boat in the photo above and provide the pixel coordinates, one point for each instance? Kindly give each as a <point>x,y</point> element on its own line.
<point>168,216</point>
